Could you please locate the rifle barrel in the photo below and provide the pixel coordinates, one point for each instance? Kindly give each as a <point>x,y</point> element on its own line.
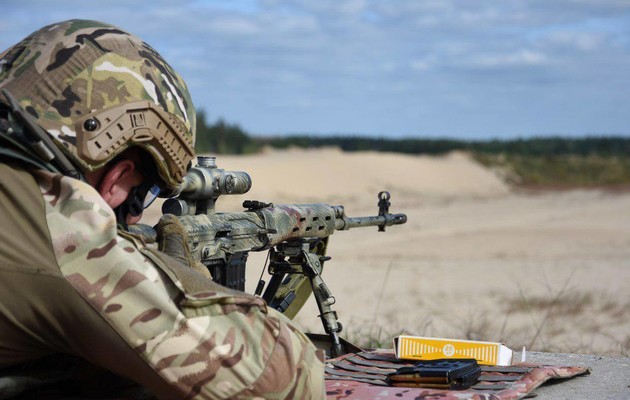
<point>375,220</point>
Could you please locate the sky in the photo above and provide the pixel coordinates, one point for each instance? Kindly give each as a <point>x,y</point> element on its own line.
<point>465,69</point>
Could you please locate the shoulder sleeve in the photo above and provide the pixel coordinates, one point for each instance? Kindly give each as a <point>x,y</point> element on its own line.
<point>210,343</point>
<point>24,237</point>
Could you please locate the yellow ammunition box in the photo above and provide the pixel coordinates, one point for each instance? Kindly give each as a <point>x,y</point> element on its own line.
<point>424,348</point>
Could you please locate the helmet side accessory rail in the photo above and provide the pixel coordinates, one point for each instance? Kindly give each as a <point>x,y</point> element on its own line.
<point>103,134</point>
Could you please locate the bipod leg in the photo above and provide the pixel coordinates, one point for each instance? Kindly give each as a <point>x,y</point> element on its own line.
<point>311,266</point>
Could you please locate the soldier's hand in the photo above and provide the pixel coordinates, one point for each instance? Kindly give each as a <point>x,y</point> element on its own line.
<point>172,239</point>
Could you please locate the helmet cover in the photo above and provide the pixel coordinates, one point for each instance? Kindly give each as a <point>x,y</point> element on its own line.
<point>98,90</point>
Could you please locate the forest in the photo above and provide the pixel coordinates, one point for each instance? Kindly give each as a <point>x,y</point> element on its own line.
<point>537,161</point>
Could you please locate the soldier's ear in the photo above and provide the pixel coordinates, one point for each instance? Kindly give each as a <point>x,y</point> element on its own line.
<point>117,182</point>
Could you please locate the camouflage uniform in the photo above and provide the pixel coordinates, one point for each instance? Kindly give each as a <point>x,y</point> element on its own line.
<point>71,283</point>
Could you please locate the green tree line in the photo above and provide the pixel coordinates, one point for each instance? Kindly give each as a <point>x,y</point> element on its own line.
<point>552,161</point>
<point>605,146</point>
<point>226,138</point>
<point>222,137</point>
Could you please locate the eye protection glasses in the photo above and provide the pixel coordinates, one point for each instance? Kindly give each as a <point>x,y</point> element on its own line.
<point>152,194</point>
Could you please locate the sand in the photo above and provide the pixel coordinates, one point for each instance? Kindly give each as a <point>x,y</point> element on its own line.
<point>477,258</point>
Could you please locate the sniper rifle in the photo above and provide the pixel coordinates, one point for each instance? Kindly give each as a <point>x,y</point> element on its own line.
<point>296,236</point>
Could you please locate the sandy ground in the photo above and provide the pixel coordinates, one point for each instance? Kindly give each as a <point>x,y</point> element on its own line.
<point>546,270</point>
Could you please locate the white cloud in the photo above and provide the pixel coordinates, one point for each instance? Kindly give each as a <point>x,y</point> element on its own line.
<point>330,57</point>
<point>347,7</point>
<point>584,41</point>
<point>422,64</point>
<point>351,6</point>
<point>233,26</point>
<point>293,23</point>
<point>521,58</point>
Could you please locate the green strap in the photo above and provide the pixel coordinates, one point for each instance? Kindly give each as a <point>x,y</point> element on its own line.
<point>12,150</point>
<point>14,146</point>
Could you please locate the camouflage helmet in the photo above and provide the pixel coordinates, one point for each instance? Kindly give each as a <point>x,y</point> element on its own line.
<point>98,90</point>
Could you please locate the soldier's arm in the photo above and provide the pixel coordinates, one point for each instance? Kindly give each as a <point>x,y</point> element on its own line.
<point>198,338</point>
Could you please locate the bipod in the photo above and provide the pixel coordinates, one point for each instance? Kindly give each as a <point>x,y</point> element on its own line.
<point>304,257</point>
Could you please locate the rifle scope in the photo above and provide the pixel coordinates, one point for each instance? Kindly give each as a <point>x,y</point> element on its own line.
<point>204,183</point>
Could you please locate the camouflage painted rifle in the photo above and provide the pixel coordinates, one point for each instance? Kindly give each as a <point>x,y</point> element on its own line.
<point>296,236</point>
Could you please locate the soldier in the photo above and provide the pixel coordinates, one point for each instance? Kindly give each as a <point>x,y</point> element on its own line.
<point>93,124</point>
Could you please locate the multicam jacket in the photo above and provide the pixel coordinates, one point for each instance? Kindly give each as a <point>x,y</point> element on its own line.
<point>71,283</point>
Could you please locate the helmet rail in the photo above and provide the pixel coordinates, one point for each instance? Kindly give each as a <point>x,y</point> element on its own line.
<point>103,134</point>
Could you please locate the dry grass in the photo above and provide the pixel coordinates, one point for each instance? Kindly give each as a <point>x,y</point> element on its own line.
<point>564,320</point>
<point>559,170</point>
